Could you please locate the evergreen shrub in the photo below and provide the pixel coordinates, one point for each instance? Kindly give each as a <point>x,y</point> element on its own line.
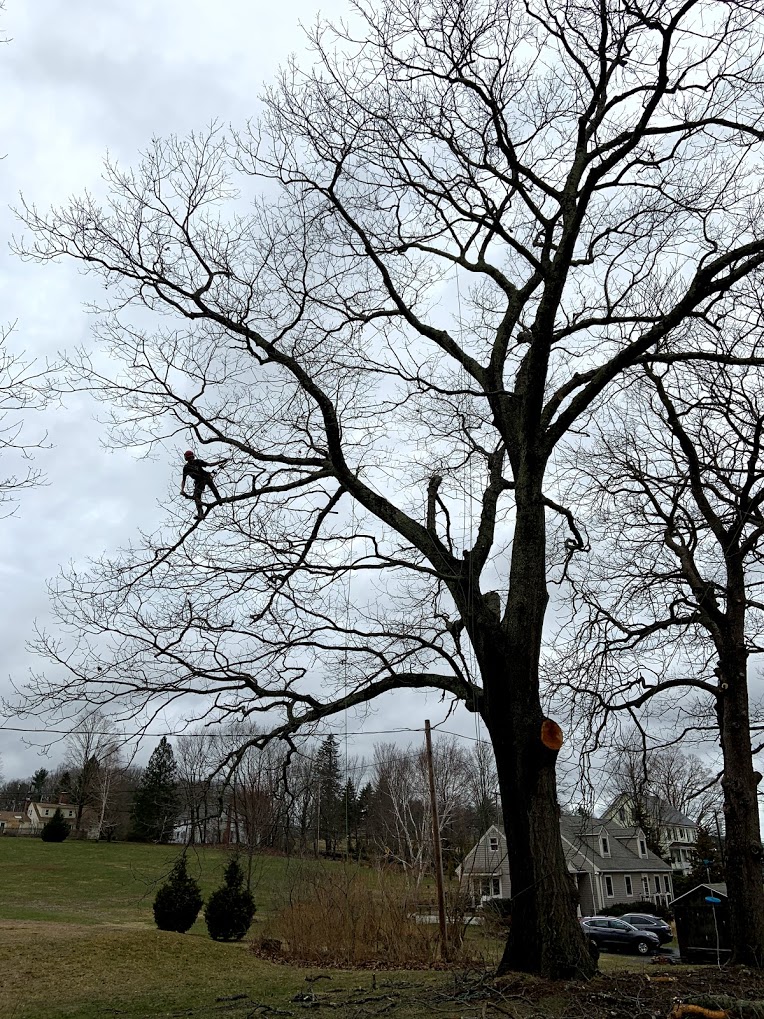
<point>229,910</point>
<point>178,901</point>
<point>55,830</point>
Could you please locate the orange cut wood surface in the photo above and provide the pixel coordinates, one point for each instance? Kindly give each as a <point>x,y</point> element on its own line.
<point>551,734</point>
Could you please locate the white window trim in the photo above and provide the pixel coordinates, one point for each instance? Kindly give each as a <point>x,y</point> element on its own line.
<point>608,880</point>
<point>604,846</point>
<point>493,843</point>
<point>629,886</point>
<point>642,843</point>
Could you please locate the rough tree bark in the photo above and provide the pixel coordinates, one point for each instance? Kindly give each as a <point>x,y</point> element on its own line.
<point>743,856</point>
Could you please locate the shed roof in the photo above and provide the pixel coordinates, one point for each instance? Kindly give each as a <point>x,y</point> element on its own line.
<point>718,887</point>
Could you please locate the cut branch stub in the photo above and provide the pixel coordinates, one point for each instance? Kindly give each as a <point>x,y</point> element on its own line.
<point>551,734</point>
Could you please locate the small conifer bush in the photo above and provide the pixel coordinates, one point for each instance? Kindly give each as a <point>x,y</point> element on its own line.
<point>56,829</point>
<point>230,909</point>
<point>178,901</point>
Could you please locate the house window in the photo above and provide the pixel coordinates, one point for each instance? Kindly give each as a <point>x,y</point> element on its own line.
<point>642,848</point>
<point>657,883</point>
<point>493,843</point>
<point>604,845</point>
<point>621,814</point>
<point>46,811</point>
<point>609,886</point>
<point>488,887</point>
<point>645,886</point>
<point>629,888</point>
<point>667,883</point>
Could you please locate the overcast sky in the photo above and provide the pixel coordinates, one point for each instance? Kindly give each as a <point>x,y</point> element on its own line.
<point>80,78</point>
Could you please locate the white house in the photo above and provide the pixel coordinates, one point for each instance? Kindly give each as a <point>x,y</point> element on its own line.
<point>38,814</point>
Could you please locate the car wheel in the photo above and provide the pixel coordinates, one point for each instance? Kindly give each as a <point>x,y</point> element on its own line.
<point>643,947</point>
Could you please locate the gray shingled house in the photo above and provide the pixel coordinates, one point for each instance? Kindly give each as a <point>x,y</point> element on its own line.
<point>609,864</point>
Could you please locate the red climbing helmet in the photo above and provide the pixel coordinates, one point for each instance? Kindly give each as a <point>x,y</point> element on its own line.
<point>189,454</point>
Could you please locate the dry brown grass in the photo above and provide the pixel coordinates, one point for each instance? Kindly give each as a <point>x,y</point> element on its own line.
<point>347,919</point>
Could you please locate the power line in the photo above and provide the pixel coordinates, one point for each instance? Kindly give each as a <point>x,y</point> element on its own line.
<point>179,732</point>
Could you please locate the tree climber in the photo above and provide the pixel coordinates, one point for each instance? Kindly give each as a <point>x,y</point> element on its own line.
<point>196,470</point>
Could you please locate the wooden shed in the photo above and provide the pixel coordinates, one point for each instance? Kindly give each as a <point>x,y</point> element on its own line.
<point>702,917</point>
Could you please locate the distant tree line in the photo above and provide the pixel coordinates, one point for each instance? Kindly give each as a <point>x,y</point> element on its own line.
<point>214,787</point>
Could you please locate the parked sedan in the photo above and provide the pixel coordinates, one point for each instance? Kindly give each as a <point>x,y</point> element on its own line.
<point>609,932</point>
<point>654,924</point>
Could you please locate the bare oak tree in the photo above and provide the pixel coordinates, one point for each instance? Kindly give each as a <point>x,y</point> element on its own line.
<point>24,386</point>
<point>402,812</point>
<point>92,757</point>
<point>471,218</point>
<point>672,591</point>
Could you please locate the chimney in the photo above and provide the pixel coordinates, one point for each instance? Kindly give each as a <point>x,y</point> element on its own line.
<point>63,798</point>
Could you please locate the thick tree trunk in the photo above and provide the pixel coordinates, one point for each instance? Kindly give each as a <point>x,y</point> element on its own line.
<point>545,936</point>
<point>745,886</point>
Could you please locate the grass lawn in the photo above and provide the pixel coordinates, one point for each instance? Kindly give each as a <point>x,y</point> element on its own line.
<point>82,971</point>
<point>77,941</point>
<point>99,882</point>
<point>77,938</point>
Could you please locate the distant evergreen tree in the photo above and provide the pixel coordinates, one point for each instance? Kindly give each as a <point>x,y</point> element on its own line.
<point>156,802</point>
<point>39,779</point>
<point>351,814</point>
<point>178,901</point>
<point>64,785</point>
<point>330,803</point>
<point>365,806</point>
<point>707,860</point>
<point>55,830</point>
<point>229,911</point>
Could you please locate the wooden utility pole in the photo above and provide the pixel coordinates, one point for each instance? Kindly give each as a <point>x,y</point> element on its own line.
<point>719,839</point>
<point>436,845</point>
